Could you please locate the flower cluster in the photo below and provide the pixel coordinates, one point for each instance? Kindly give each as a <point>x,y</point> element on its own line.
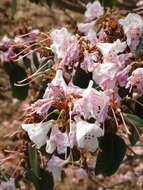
<point>90,69</point>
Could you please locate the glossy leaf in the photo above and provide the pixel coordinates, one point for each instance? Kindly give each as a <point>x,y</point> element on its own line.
<point>33,179</point>
<point>16,73</point>
<point>134,137</point>
<point>49,2</point>
<point>35,60</point>
<point>45,182</point>
<point>81,78</point>
<point>27,62</point>
<point>13,8</point>
<point>140,46</point>
<point>113,149</point>
<point>109,3</point>
<point>34,161</point>
<point>133,119</point>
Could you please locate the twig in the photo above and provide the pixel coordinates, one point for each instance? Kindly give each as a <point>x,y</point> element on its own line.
<point>69,5</point>
<point>116,184</point>
<point>134,157</point>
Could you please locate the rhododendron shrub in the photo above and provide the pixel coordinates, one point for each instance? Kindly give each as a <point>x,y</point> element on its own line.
<point>90,82</point>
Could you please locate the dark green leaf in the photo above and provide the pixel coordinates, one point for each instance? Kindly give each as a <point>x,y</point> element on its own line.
<point>140,46</point>
<point>113,149</point>
<point>34,161</point>
<point>27,62</point>
<point>46,182</point>
<point>81,78</point>
<point>16,73</point>
<point>32,178</point>
<point>49,2</point>
<point>133,119</point>
<point>108,3</point>
<point>35,60</point>
<point>13,8</point>
<point>134,137</point>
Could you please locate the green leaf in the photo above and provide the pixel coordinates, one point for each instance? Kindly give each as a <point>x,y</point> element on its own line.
<point>140,46</point>
<point>133,119</point>
<point>34,161</point>
<point>81,78</point>
<point>32,178</point>
<point>113,149</point>
<point>46,182</point>
<point>108,3</point>
<point>134,137</point>
<point>27,62</point>
<point>35,60</point>
<point>49,2</point>
<point>16,73</point>
<point>13,8</point>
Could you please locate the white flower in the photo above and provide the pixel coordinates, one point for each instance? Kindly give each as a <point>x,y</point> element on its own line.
<point>8,185</point>
<point>37,132</point>
<point>55,165</point>
<point>86,134</point>
<point>94,10</point>
<point>62,40</point>
<point>111,49</point>
<point>133,28</point>
<point>131,20</point>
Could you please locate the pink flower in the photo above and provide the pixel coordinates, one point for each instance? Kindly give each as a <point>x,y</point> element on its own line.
<point>42,106</point>
<point>58,82</point>
<point>136,79</point>
<point>93,104</point>
<point>80,173</point>
<point>57,140</point>
<point>89,61</point>
<point>5,42</point>
<point>140,4</point>
<point>71,55</point>
<point>94,10</point>
<point>105,73</point>
<point>122,76</point>
<point>62,40</point>
<point>86,27</point>
<point>6,56</point>
<point>8,185</point>
<point>133,28</point>
<point>92,37</point>
<point>55,165</point>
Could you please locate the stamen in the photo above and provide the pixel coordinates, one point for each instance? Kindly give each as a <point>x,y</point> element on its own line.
<point>114,115</point>
<point>124,124</point>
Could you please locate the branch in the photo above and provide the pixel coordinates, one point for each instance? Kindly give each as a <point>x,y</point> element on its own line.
<point>69,5</point>
<point>134,157</point>
<point>116,184</point>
